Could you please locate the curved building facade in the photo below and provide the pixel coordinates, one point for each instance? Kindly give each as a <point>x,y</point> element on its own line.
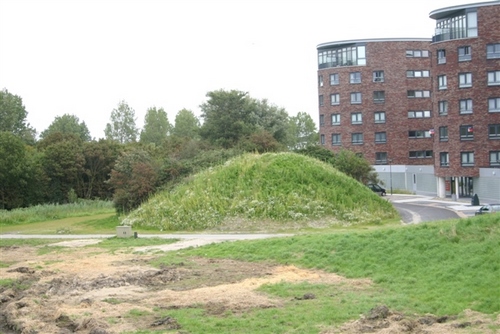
<point>424,112</point>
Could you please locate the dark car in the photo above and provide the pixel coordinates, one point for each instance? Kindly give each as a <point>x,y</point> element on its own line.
<point>376,188</point>
<point>488,208</point>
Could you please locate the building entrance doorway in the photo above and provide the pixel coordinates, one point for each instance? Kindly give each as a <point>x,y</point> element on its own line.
<point>465,187</point>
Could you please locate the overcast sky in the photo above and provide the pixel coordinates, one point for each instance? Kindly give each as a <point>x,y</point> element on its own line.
<point>84,57</point>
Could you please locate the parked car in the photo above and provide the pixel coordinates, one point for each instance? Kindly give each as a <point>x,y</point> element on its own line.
<point>376,188</point>
<point>488,208</point>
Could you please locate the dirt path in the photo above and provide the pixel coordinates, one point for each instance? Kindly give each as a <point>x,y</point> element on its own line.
<point>89,290</point>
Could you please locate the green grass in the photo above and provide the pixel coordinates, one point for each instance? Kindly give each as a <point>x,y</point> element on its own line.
<point>280,187</point>
<point>440,268</point>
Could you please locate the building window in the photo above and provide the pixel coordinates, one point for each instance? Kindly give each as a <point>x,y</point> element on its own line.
<point>444,159</point>
<point>357,138</point>
<point>417,53</point>
<point>320,80</point>
<point>322,139</point>
<point>345,56</point>
<point>493,51</point>
<point>380,158</point>
<point>494,131</point>
<point>380,137</point>
<point>355,77</point>
<point>321,102</point>
<point>321,120</point>
<point>466,132</point>
<point>379,117</point>
<point>420,154</point>
<point>443,107</point>
<point>379,96</point>
<point>417,74</point>
<point>493,78</point>
<point>419,134</point>
<point>464,53</point>
<point>456,26</point>
<point>465,106</point>
<point>495,158</point>
<point>465,80</point>
<point>467,159</point>
<point>378,76</point>
<point>419,114</point>
<point>335,99</point>
<point>357,118</point>
<point>355,98</point>
<point>443,133</point>
<point>334,79</point>
<point>418,93</point>
<point>336,139</point>
<point>442,84</point>
<point>494,104</point>
<point>335,119</point>
<point>441,56</point>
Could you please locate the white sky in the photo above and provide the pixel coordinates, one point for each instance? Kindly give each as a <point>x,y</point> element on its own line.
<point>83,57</point>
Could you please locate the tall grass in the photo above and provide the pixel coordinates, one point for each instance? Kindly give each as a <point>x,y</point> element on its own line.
<point>278,187</point>
<point>46,212</point>
<point>440,268</point>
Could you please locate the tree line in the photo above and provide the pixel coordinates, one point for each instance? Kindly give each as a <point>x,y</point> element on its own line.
<point>129,164</point>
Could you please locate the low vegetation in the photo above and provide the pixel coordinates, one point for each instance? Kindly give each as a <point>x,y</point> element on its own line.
<point>278,187</point>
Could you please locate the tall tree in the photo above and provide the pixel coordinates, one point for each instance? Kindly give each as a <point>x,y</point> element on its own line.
<point>272,119</point>
<point>12,170</point>
<point>156,126</point>
<point>301,131</point>
<point>228,117</point>
<point>68,124</point>
<point>13,117</point>
<point>122,127</point>
<point>63,162</point>
<point>186,124</point>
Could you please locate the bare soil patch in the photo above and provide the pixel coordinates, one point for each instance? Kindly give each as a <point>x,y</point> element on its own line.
<point>90,290</point>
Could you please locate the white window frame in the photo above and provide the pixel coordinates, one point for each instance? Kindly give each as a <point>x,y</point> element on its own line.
<point>441,56</point>
<point>443,107</point>
<point>443,133</point>
<point>464,53</point>
<point>335,119</point>
<point>338,139</point>
<point>378,76</point>
<point>493,78</point>
<point>380,158</point>
<point>417,74</point>
<point>419,114</point>
<point>467,159</point>
<point>418,94</point>
<point>494,104</point>
<point>334,79</point>
<point>442,82</point>
<point>335,99</point>
<point>379,117</point>
<point>465,80</point>
<point>466,132</point>
<point>356,118</point>
<point>495,134</point>
<point>493,51</point>
<point>444,159</point>
<point>494,158</point>
<point>465,106</point>
<point>379,96</point>
<point>380,137</point>
<point>320,80</point>
<point>357,138</point>
<point>355,77</point>
<point>356,98</point>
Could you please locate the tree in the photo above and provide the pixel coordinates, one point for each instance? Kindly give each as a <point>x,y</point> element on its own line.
<point>13,117</point>
<point>271,119</point>
<point>156,126</point>
<point>100,158</point>
<point>133,178</point>
<point>122,127</point>
<point>68,124</point>
<point>228,117</point>
<point>186,124</point>
<point>63,162</point>
<point>12,170</point>
<point>301,131</point>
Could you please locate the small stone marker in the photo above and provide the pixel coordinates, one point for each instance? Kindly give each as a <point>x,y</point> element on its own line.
<point>124,231</point>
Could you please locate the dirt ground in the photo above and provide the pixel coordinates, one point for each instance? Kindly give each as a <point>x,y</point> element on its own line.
<point>90,290</point>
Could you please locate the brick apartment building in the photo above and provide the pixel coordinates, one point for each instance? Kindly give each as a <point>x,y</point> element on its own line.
<point>424,112</point>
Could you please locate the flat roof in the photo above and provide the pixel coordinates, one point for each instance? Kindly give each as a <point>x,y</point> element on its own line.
<point>372,40</point>
<point>448,11</point>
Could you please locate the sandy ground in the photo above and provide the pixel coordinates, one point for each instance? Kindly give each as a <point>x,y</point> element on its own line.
<point>89,290</point>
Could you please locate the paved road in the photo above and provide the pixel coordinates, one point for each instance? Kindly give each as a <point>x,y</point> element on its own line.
<point>417,213</point>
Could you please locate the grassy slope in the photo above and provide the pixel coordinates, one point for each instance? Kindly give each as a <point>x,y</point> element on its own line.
<point>440,268</point>
<point>279,187</point>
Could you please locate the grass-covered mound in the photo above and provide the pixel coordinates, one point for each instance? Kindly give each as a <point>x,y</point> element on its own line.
<point>278,187</point>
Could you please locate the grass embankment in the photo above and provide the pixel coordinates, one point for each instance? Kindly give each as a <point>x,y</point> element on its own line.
<point>280,187</point>
<point>75,218</point>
